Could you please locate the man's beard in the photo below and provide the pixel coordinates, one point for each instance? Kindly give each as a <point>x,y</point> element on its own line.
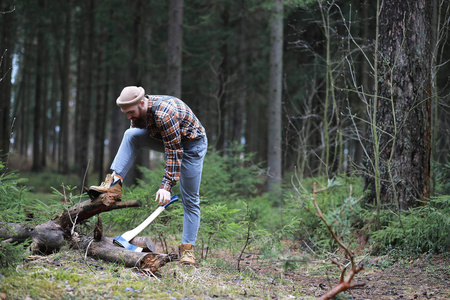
<point>141,121</point>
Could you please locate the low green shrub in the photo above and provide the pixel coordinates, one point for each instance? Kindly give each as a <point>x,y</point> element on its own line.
<point>422,229</point>
<point>339,202</point>
<point>443,177</point>
<point>13,208</point>
<point>12,254</point>
<point>231,175</point>
<point>13,200</point>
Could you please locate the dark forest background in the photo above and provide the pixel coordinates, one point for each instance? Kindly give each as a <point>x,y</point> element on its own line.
<point>65,62</point>
<point>328,125</point>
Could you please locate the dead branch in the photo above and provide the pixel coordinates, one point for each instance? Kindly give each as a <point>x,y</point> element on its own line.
<point>344,281</point>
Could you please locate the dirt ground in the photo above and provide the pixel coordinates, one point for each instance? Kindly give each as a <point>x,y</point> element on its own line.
<point>424,277</point>
<point>427,277</point>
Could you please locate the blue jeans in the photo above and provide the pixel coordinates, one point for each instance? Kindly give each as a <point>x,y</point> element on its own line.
<point>190,177</point>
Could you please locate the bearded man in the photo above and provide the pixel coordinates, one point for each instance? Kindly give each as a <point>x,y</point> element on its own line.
<point>165,124</point>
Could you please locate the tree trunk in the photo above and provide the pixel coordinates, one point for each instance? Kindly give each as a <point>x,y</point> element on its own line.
<point>84,97</point>
<point>24,122</point>
<point>88,73</point>
<point>222,82</point>
<point>45,118</point>
<point>6,50</point>
<point>403,106</point>
<point>101,106</point>
<point>64,69</point>
<point>79,98</point>
<point>174,47</point>
<point>38,101</point>
<point>275,97</point>
<point>239,102</point>
<point>54,101</point>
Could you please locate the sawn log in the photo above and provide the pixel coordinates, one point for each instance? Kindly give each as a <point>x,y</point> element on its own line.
<point>106,250</point>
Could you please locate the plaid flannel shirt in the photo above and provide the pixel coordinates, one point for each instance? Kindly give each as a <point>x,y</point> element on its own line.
<point>175,124</point>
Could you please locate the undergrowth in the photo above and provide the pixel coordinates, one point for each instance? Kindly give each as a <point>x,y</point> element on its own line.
<point>240,220</point>
<point>13,208</point>
<point>423,229</point>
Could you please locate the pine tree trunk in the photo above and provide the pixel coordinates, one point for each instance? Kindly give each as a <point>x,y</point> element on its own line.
<point>54,101</point>
<point>6,51</point>
<point>102,107</point>
<point>174,47</point>
<point>38,101</point>
<point>403,106</point>
<point>80,97</point>
<point>222,82</point>
<point>45,118</point>
<point>239,103</point>
<point>64,67</point>
<point>275,97</point>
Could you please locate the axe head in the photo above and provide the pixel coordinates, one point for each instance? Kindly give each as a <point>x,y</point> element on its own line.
<point>120,241</point>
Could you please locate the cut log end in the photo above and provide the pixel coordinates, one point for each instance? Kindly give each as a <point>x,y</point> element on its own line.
<point>154,261</point>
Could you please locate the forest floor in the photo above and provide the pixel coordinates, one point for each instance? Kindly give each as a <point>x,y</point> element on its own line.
<point>69,275</point>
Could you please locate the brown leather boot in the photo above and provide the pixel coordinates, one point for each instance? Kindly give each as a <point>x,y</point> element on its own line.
<point>187,256</point>
<point>107,187</point>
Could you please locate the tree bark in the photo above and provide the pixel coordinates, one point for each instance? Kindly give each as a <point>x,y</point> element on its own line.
<point>64,69</point>
<point>105,249</point>
<point>101,106</point>
<point>239,103</point>
<point>222,94</point>
<point>404,104</point>
<point>275,97</point>
<point>45,111</point>
<point>174,47</point>
<point>6,50</point>
<point>38,101</point>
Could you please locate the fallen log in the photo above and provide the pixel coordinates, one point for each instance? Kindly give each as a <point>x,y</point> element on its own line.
<point>105,249</point>
<point>49,237</point>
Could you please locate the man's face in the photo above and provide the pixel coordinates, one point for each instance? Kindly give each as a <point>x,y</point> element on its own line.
<point>136,113</point>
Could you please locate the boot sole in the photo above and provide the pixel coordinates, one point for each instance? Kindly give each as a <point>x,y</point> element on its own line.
<point>93,194</point>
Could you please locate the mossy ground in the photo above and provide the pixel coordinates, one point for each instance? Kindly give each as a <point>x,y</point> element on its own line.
<point>70,275</point>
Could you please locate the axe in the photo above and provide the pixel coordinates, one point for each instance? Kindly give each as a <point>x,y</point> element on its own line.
<point>124,239</point>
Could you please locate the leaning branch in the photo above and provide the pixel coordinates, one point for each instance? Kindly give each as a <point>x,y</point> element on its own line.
<point>344,281</point>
